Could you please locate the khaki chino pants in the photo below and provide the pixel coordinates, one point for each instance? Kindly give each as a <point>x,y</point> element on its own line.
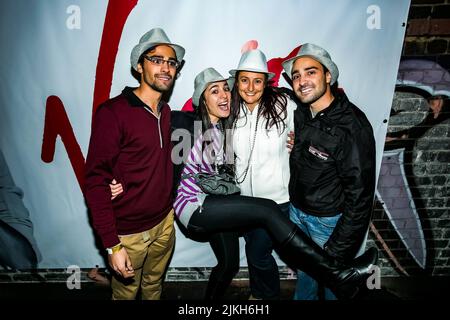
<point>149,252</point>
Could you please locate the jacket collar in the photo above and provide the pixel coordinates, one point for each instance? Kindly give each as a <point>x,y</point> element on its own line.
<point>134,100</point>
<point>333,111</point>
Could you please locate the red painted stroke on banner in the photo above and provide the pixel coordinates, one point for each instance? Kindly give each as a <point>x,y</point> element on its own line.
<point>56,120</point>
<point>57,123</point>
<point>116,16</point>
<point>275,65</point>
<point>188,106</point>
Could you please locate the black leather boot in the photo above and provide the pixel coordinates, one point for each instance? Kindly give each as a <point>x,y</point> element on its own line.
<point>345,281</point>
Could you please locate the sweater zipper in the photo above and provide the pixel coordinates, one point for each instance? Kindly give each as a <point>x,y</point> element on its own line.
<point>159,124</point>
<point>159,129</point>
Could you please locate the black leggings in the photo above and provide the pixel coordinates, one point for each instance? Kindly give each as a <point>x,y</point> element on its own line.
<point>222,216</point>
<point>234,212</point>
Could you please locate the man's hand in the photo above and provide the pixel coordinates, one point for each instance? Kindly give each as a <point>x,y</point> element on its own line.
<point>290,141</point>
<point>389,139</point>
<point>120,262</point>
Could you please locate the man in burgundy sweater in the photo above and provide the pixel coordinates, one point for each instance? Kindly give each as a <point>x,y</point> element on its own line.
<point>130,142</point>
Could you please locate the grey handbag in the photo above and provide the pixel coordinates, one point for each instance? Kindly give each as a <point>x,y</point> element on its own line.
<point>217,183</point>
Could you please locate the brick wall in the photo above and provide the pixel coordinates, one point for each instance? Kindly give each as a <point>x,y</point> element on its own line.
<point>428,30</point>
<point>427,37</point>
<point>428,177</point>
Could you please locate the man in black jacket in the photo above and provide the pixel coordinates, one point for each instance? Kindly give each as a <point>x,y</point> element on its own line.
<point>332,163</point>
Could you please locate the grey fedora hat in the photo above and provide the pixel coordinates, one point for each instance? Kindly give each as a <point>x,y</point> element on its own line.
<point>317,53</point>
<point>254,61</point>
<point>154,37</point>
<point>203,79</point>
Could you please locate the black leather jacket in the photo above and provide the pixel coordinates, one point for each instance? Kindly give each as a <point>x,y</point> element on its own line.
<point>333,171</point>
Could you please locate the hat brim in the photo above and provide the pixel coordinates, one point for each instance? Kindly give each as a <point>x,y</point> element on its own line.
<point>140,48</point>
<point>329,64</point>
<point>197,93</point>
<point>270,75</point>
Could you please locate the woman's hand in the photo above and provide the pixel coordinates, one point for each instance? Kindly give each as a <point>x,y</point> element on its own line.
<point>116,189</point>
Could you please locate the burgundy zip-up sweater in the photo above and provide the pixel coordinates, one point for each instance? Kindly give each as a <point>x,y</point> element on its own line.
<point>129,143</point>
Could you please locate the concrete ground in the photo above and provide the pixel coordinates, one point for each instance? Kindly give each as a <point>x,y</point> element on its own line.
<point>392,289</point>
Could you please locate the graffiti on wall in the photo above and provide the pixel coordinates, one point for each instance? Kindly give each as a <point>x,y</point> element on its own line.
<point>398,187</point>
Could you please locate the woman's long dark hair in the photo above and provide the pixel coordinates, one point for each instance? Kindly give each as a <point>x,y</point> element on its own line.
<point>273,105</point>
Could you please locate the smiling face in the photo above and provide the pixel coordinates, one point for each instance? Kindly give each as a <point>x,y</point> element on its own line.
<point>217,99</point>
<point>158,77</point>
<point>310,82</point>
<point>251,87</point>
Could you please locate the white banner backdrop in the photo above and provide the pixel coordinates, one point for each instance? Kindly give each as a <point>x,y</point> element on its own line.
<point>59,49</point>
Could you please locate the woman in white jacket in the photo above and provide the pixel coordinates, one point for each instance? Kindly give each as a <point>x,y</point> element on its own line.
<point>263,117</point>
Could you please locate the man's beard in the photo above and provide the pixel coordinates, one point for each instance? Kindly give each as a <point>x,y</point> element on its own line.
<point>318,93</point>
<point>160,88</point>
<point>155,85</point>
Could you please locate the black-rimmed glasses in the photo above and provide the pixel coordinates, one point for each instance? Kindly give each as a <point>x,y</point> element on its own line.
<point>159,61</point>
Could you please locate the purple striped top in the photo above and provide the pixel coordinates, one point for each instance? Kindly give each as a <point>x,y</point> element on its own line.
<point>189,196</point>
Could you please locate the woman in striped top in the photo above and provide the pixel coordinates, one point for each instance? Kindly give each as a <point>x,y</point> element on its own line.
<point>209,214</point>
<point>212,107</point>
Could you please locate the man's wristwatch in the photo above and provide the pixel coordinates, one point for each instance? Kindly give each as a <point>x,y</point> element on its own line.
<point>114,249</point>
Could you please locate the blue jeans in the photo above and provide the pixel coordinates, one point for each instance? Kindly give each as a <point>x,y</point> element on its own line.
<point>262,267</point>
<point>319,229</point>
